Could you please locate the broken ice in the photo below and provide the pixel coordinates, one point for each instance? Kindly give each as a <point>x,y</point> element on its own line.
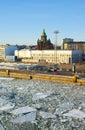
<point>46,115</point>
<point>1,127</point>
<point>25,118</point>
<point>5,105</point>
<point>38,96</point>
<point>75,113</point>
<point>23,110</point>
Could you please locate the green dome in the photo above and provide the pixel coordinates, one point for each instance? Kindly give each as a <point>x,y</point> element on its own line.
<point>43,33</point>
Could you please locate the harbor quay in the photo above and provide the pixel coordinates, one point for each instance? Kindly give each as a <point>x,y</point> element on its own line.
<point>64,72</point>
<point>55,77</point>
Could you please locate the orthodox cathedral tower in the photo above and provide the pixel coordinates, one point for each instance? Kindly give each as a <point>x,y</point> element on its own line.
<point>44,43</point>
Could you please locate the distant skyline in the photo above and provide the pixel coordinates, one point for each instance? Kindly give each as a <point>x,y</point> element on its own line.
<point>22,21</point>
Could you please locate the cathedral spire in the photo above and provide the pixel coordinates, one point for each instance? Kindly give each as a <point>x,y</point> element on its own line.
<point>43,33</point>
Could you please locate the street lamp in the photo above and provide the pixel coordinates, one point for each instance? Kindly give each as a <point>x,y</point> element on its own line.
<point>56,32</point>
<point>55,45</point>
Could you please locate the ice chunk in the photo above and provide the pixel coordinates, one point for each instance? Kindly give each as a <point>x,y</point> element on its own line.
<point>38,96</point>
<point>46,115</point>
<point>25,118</point>
<point>66,105</point>
<point>7,107</point>
<point>2,102</point>
<point>1,127</point>
<point>23,110</point>
<point>63,108</point>
<point>75,113</point>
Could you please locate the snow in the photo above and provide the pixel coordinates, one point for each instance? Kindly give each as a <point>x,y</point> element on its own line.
<point>4,78</point>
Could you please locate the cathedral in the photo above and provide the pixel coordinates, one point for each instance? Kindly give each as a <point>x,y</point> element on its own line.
<point>44,43</point>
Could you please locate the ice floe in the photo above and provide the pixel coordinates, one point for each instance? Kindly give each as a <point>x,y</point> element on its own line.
<point>62,108</point>
<point>2,102</point>
<point>25,118</point>
<point>46,115</point>
<point>75,113</point>
<point>1,127</point>
<point>38,96</point>
<point>7,107</point>
<point>23,110</point>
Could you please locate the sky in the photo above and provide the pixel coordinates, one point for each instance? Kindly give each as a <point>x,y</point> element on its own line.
<point>22,21</point>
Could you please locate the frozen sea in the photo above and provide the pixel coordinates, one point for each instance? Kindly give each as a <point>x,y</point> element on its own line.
<point>41,105</point>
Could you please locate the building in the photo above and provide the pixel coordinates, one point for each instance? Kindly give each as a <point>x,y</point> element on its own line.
<point>6,50</point>
<point>70,44</point>
<point>23,53</point>
<point>50,56</point>
<point>44,43</point>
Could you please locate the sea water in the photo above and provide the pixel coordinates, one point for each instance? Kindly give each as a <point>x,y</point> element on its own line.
<point>41,105</point>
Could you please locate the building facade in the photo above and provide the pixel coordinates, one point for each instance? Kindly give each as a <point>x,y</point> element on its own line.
<point>51,56</point>
<point>70,44</point>
<point>6,50</point>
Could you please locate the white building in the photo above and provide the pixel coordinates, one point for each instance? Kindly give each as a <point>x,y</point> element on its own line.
<point>23,53</point>
<point>50,56</point>
<point>6,50</point>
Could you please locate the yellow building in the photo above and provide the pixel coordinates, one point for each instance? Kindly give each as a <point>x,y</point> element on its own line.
<point>70,44</point>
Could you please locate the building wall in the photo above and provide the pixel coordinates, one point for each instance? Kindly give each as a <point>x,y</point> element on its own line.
<point>68,44</point>
<point>2,53</point>
<point>9,50</point>
<point>24,53</point>
<point>6,50</point>
<point>11,58</point>
<point>53,56</point>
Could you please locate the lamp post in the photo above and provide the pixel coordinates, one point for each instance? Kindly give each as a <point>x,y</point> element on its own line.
<point>55,47</point>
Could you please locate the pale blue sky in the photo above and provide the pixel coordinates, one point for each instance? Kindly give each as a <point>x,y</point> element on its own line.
<point>22,21</point>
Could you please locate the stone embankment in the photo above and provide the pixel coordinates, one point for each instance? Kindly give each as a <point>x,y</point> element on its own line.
<point>48,77</point>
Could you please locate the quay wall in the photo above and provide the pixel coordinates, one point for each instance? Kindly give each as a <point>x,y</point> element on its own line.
<point>54,78</point>
<point>81,81</point>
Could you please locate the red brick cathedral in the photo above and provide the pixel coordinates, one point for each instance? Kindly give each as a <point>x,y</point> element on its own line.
<point>43,43</point>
